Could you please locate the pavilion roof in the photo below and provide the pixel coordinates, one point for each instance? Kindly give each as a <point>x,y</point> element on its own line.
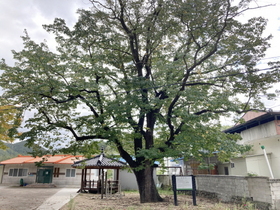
<point>100,161</point>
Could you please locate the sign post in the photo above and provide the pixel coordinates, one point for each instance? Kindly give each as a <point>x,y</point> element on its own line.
<point>184,183</point>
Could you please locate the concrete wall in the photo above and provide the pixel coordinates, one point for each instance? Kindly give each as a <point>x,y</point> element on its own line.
<point>258,165</point>
<point>275,195</point>
<point>223,186</point>
<point>62,180</point>
<point>251,164</point>
<point>30,178</point>
<point>240,167</point>
<point>128,180</point>
<point>262,131</point>
<point>259,189</point>
<point>262,191</point>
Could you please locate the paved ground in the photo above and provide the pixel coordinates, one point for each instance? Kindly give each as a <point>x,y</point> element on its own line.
<point>21,198</point>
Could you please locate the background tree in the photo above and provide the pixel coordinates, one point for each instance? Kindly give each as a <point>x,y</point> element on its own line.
<point>10,120</point>
<point>152,77</point>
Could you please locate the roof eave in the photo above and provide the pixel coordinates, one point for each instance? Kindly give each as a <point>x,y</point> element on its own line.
<point>268,117</point>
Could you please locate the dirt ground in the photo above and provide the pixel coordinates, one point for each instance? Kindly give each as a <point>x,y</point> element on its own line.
<point>21,198</point>
<point>130,201</point>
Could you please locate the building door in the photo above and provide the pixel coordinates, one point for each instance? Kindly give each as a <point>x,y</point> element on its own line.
<point>226,171</point>
<point>44,174</point>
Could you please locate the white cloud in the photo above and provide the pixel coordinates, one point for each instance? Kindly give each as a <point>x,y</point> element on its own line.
<point>271,13</point>
<point>17,15</point>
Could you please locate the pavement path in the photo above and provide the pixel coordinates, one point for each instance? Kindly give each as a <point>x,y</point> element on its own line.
<point>59,199</point>
<point>23,198</point>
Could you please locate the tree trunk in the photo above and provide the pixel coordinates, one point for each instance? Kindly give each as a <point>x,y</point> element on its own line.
<point>146,185</point>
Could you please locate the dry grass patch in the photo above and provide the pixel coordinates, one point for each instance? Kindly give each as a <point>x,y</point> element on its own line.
<point>130,201</point>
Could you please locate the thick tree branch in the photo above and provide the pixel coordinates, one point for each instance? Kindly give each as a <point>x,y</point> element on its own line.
<point>69,128</point>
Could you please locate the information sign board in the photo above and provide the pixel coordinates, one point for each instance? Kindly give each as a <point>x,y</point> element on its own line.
<point>184,183</point>
<point>181,183</point>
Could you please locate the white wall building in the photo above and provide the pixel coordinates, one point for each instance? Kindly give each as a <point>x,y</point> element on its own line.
<point>55,170</point>
<point>259,129</point>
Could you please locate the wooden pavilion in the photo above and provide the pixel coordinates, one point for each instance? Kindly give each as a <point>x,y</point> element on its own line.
<point>100,162</point>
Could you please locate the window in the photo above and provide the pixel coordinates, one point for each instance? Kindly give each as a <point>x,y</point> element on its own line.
<point>70,172</point>
<point>18,172</point>
<point>22,172</point>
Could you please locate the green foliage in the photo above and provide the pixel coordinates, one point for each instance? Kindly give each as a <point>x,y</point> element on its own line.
<point>162,170</point>
<point>14,150</point>
<point>40,163</point>
<point>10,120</point>
<point>246,204</point>
<point>86,148</point>
<point>252,174</point>
<point>206,166</point>
<point>151,77</point>
<point>8,153</point>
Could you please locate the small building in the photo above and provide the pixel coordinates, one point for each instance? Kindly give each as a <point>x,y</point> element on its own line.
<point>49,169</point>
<point>258,129</point>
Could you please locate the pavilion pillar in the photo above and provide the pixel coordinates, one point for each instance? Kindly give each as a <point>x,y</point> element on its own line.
<point>102,183</point>
<point>118,174</point>
<point>82,182</point>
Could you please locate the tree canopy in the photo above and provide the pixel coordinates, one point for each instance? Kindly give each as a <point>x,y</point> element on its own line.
<point>152,77</point>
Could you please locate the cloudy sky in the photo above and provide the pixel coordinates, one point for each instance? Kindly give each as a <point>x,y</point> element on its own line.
<point>17,15</point>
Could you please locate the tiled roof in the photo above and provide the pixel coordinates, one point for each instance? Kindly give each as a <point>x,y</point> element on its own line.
<point>100,161</point>
<point>55,159</point>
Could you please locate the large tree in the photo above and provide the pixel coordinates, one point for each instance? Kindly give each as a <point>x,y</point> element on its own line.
<point>150,76</point>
